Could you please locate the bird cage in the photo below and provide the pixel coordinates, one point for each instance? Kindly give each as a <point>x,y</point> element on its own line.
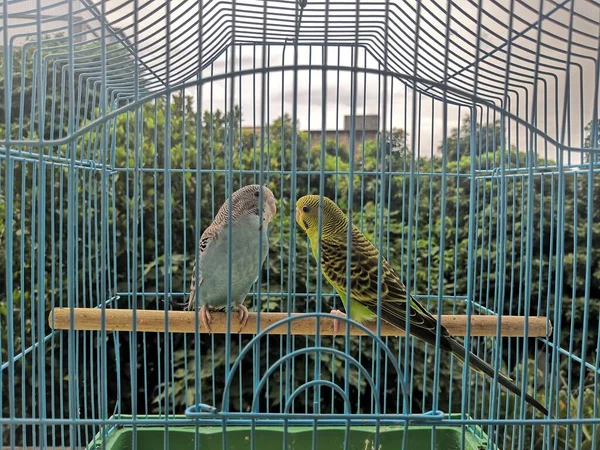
<point>459,138</point>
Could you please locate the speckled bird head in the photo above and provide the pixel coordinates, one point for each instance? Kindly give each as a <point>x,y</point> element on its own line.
<point>307,216</point>
<point>246,202</point>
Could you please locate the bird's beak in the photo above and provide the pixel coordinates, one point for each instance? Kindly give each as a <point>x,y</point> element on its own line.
<point>298,218</point>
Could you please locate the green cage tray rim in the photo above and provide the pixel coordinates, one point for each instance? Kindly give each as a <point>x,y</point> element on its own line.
<point>474,431</point>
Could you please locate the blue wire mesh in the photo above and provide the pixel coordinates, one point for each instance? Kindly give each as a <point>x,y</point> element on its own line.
<point>460,137</point>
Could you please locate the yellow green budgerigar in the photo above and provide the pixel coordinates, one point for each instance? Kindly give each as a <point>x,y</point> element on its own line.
<point>363,269</point>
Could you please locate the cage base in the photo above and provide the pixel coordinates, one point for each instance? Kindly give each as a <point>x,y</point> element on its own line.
<point>297,437</point>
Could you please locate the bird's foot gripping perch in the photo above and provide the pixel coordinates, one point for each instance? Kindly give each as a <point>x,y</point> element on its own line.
<point>243,315</point>
<point>205,318</point>
<point>336,322</point>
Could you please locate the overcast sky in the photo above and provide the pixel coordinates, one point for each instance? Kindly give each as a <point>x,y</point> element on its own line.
<point>306,94</point>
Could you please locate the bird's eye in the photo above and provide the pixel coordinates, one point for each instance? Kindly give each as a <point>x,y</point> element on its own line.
<point>305,209</point>
<point>256,194</point>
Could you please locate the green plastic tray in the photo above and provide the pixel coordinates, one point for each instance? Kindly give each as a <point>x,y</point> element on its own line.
<point>298,438</point>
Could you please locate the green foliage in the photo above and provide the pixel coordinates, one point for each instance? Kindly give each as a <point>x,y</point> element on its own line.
<point>48,85</point>
<point>589,140</point>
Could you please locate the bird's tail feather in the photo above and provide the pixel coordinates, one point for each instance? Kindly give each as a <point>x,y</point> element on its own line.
<point>479,365</point>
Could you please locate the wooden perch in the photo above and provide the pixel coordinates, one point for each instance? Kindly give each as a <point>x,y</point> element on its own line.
<point>183,322</point>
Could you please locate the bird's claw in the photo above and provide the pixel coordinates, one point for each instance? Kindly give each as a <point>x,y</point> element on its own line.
<point>205,318</point>
<point>336,322</point>
<point>243,315</point>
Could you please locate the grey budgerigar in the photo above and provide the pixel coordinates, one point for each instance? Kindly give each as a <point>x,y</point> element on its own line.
<point>208,287</point>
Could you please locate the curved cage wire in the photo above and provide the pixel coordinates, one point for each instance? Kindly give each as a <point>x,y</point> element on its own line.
<point>460,137</point>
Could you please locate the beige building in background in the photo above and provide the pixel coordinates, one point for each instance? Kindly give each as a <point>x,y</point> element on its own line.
<point>369,132</point>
